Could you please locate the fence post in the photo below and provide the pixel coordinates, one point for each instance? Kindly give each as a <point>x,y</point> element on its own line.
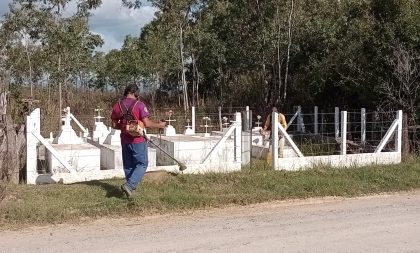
<point>343,133</point>
<point>32,125</point>
<point>220,118</point>
<point>316,120</point>
<point>274,139</point>
<point>405,149</point>
<point>246,136</point>
<point>337,122</point>
<point>193,118</point>
<point>238,139</point>
<point>298,125</point>
<point>398,136</point>
<point>248,116</point>
<point>363,126</point>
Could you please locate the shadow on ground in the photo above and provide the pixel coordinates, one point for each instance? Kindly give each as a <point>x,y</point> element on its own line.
<point>112,191</point>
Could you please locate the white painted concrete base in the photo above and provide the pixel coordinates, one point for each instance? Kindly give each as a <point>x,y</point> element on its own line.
<point>260,152</point>
<point>339,161</point>
<point>82,157</point>
<point>68,178</point>
<point>113,138</point>
<point>100,133</point>
<point>194,149</point>
<point>67,136</point>
<point>111,157</point>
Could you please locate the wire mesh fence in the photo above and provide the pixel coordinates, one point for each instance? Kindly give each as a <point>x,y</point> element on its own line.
<point>315,134</point>
<point>320,134</point>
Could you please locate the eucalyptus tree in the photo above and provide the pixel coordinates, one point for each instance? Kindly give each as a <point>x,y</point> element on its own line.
<point>62,41</point>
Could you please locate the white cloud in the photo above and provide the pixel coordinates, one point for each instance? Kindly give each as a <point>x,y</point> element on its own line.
<point>115,22</point>
<point>111,20</point>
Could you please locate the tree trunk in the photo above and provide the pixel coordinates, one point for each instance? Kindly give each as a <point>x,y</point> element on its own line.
<point>289,35</point>
<point>12,146</point>
<point>183,78</point>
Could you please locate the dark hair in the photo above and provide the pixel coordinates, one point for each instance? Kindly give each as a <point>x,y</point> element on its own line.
<point>131,88</point>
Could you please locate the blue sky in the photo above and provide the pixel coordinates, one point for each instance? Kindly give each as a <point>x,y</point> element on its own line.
<point>112,21</point>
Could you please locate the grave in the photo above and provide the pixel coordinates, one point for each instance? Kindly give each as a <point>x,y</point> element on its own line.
<point>201,150</point>
<point>188,128</point>
<point>82,157</point>
<point>100,132</point>
<point>169,129</point>
<point>111,156</point>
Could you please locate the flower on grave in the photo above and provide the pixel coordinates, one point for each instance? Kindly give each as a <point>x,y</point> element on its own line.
<point>258,117</point>
<point>225,119</point>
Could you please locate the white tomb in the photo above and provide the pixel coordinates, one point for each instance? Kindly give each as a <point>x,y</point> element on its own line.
<point>193,149</point>
<point>111,157</point>
<point>202,153</point>
<point>83,157</point>
<point>100,132</point>
<point>111,152</point>
<point>67,135</point>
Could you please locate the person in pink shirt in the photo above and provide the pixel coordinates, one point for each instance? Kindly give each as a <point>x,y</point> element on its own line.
<point>134,148</point>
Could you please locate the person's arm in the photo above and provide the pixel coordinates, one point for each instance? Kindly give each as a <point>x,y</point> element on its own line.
<point>115,117</point>
<point>144,115</point>
<point>282,120</point>
<point>151,124</point>
<point>267,123</point>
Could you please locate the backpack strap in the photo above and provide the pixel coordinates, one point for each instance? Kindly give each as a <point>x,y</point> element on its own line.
<point>131,110</point>
<point>127,111</point>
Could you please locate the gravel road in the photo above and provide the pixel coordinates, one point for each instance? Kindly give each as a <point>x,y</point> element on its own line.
<point>383,223</point>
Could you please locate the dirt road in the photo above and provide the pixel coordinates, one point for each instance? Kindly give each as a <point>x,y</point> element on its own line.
<point>385,223</point>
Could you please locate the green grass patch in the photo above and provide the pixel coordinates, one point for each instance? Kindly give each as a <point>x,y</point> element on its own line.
<point>51,204</point>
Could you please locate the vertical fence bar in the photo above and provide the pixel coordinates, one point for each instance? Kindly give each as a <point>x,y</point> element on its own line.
<point>343,133</point>
<point>238,137</point>
<point>363,126</point>
<point>398,136</point>
<point>220,118</point>
<point>246,138</point>
<point>299,119</point>
<point>274,139</point>
<point>193,118</point>
<point>248,116</point>
<point>32,125</point>
<point>316,120</point>
<point>337,122</point>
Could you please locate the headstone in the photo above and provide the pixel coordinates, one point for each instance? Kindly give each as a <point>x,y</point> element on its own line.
<point>188,129</point>
<point>169,129</point>
<point>101,131</point>
<point>206,126</point>
<point>67,135</point>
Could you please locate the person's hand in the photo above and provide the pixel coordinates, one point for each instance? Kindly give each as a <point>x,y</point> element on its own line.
<point>162,124</point>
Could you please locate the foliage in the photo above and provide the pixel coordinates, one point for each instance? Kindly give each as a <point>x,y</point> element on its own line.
<point>325,53</point>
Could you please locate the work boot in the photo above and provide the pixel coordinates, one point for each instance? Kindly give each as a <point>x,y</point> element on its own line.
<point>127,191</point>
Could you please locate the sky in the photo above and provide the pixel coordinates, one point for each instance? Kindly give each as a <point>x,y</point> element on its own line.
<point>112,21</point>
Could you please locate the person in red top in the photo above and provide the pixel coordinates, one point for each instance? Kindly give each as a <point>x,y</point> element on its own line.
<point>134,148</point>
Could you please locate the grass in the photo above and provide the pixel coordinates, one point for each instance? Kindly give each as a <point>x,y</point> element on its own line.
<point>52,204</point>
